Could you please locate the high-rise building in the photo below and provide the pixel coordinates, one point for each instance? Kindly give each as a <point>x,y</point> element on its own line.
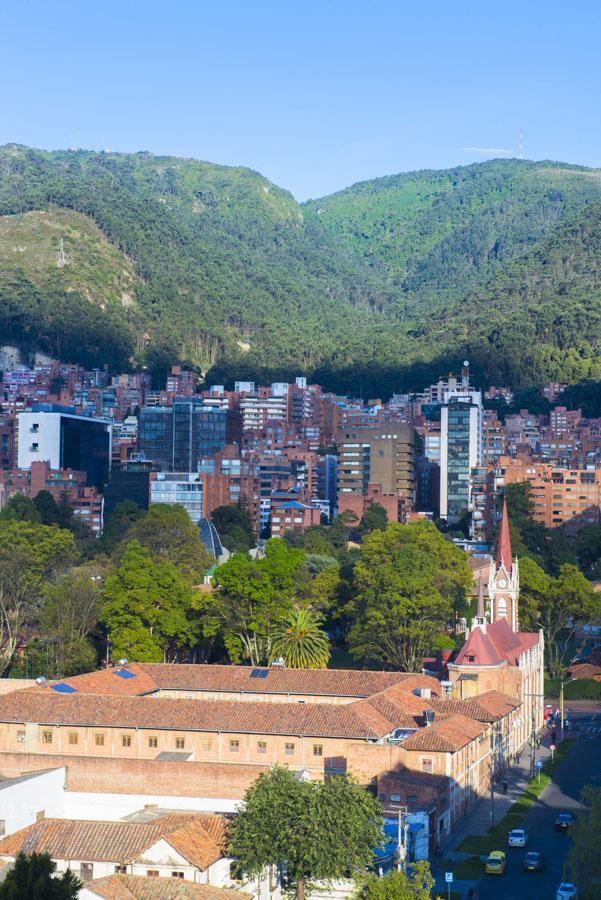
<point>178,436</point>
<point>460,448</point>
<point>382,454</point>
<point>182,488</point>
<point>65,440</point>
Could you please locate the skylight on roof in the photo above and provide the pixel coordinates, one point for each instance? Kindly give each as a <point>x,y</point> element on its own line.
<point>124,673</point>
<point>63,688</point>
<point>259,673</point>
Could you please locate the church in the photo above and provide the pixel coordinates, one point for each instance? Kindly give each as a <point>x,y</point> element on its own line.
<point>496,654</point>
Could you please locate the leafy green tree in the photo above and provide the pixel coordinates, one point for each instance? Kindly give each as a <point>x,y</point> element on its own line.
<point>169,533</point>
<point>558,605</point>
<point>252,595</point>
<point>588,547</point>
<point>584,858</point>
<point>32,877</point>
<point>234,527</point>
<point>31,556</point>
<point>314,829</point>
<point>375,518</point>
<point>47,507</point>
<point>20,509</point>
<point>124,515</point>
<point>300,641</point>
<point>149,609</point>
<point>398,885</point>
<point>409,581</point>
<point>71,612</point>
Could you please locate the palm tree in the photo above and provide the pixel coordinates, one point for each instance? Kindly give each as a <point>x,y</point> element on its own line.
<point>300,641</point>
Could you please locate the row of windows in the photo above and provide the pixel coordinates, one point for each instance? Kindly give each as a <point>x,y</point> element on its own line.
<point>180,742</point>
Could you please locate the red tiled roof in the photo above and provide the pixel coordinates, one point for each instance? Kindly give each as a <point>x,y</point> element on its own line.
<point>495,645</point>
<point>109,681</point>
<point>488,707</point>
<point>135,887</point>
<point>349,720</point>
<point>481,648</point>
<point>118,842</point>
<point>446,735</point>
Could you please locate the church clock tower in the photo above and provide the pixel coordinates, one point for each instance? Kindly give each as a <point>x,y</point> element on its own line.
<point>504,582</point>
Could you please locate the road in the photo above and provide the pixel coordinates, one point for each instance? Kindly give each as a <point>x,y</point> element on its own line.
<point>580,768</point>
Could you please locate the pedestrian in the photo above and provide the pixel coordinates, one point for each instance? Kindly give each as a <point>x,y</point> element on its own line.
<point>518,756</point>
<point>505,786</point>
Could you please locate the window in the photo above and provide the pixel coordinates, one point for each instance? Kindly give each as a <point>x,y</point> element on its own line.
<point>86,871</point>
<point>234,746</point>
<point>153,742</point>
<point>99,740</point>
<point>289,749</point>
<point>21,737</point>
<point>261,746</point>
<point>73,738</point>
<point>126,740</point>
<point>471,659</point>
<point>46,737</point>
<point>120,870</point>
<point>317,749</point>
<point>427,764</point>
<point>180,743</point>
<point>152,873</point>
<point>396,798</point>
<point>177,874</point>
<point>207,744</point>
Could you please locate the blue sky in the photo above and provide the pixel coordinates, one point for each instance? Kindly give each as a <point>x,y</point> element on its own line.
<point>315,95</point>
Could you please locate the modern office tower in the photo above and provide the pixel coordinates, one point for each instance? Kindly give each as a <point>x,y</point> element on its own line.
<point>178,436</point>
<point>183,488</point>
<point>130,482</point>
<point>65,440</point>
<point>382,453</point>
<point>327,467</point>
<point>460,448</point>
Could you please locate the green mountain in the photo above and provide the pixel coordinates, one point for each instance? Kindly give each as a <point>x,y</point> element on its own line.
<point>387,283</point>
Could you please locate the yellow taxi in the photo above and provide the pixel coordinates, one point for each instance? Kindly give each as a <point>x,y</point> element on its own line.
<point>496,862</point>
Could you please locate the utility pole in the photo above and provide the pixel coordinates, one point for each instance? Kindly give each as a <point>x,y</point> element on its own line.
<point>561,710</point>
<point>402,839</point>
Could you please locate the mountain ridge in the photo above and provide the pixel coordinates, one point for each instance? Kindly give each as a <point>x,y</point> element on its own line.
<point>369,285</point>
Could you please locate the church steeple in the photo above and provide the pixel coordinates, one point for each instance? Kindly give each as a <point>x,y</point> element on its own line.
<point>504,544</point>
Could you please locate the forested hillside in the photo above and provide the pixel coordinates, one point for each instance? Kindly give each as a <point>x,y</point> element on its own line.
<point>386,283</point>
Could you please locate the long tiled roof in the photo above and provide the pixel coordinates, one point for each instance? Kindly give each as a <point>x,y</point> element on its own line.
<point>135,887</point>
<point>313,719</point>
<point>151,677</point>
<point>488,707</point>
<point>118,842</point>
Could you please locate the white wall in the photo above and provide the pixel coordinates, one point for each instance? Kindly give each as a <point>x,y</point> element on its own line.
<point>47,438</point>
<point>22,799</point>
<point>98,806</point>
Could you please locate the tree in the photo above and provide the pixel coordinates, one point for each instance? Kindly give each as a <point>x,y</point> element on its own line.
<point>301,642</point>
<point>375,518</point>
<point>71,612</point>
<point>557,605</point>
<point>234,527</point>
<point>314,829</point>
<point>47,507</point>
<point>398,885</point>
<point>252,596</point>
<point>20,509</point>
<point>124,515</point>
<point>169,532</point>
<point>584,858</point>
<point>32,877</point>
<point>588,547</point>
<point>149,609</point>
<point>409,582</point>
<point>31,556</point>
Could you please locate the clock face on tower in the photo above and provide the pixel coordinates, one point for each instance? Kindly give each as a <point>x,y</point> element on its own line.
<point>502,583</point>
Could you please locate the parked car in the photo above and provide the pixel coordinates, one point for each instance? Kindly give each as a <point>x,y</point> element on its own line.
<point>564,820</point>
<point>533,862</point>
<point>517,838</point>
<point>496,862</point>
<point>566,891</point>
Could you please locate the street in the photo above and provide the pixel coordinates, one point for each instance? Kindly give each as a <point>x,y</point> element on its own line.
<point>580,768</point>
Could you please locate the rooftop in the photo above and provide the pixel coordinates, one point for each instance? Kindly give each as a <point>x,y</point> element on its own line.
<point>134,887</point>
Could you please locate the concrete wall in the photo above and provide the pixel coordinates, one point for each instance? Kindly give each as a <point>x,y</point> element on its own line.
<point>22,802</point>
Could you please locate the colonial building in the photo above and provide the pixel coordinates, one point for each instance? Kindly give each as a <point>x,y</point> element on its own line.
<point>497,655</point>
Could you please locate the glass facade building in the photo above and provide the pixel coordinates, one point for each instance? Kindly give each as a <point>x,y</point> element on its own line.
<point>177,437</point>
<point>460,453</point>
<point>183,488</point>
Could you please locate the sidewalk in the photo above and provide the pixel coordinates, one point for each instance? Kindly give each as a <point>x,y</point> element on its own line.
<point>478,820</point>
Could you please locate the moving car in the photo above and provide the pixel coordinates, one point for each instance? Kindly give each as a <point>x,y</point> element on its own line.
<point>517,838</point>
<point>566,891</point>
<point>533,862</point>
<point>563,821</point>
<point>496,862</point>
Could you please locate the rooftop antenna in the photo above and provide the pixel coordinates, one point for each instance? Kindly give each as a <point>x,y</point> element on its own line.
<point>521,145</point>
<point>61,255</point>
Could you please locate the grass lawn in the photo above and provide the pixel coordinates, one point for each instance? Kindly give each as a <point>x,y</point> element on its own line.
<point>496,838</point>
<point>468,869</point>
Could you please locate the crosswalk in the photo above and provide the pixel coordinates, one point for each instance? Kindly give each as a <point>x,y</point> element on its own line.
<point>590,726</point>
